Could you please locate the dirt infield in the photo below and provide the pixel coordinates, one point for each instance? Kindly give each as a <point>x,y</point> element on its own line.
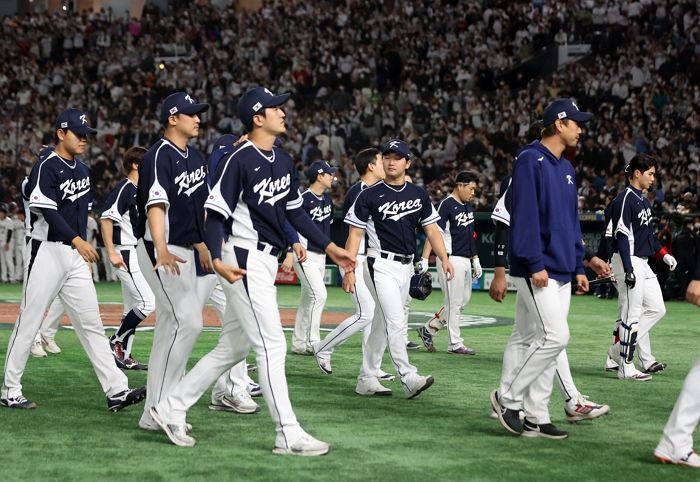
<point>112,314</point>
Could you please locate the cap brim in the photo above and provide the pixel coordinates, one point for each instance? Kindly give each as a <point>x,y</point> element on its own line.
<point>276,100</point>
<point>83,130</point>
<point>195,109</point>
<point>405,155</point>
<point>331,170</point>
<point>581,116</point>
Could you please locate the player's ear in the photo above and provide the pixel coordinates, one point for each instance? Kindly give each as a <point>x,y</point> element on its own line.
<point>172,121</point>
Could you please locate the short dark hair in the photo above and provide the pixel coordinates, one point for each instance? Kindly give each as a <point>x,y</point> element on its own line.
<point>641,163</point>
<point>465,177</point>
<point>132,154</point>
<point>551,129</point>
<point>535,131</point>
<point>364,158</point>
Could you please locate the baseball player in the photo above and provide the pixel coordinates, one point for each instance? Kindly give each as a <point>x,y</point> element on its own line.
<point>576,405</point>
<point>256,189</point>
<point>676,444</point>
<point>318,204</point>
<point>7,265</point>
<point>640,301</point>
<point>370,167</point>
<point>389,212</point>
<point>457,228</point>
<point>19,233</point>
<point>118,222</point>
<point>545,251</point>
<point>60,194</point>
<point>170,201</point>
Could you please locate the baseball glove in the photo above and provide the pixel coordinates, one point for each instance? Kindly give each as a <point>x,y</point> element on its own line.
<point>421,286</point>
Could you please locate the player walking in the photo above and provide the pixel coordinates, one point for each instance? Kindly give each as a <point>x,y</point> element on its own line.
<point>256,189</point>
<point>118,222</point>
<point>457,229</point>
<point>641,302</point>
<point>389,212</point>
<point>545,252</point>
<point>60,195</point>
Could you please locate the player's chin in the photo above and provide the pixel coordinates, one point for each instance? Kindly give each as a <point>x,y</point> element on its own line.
<point>80,149</point>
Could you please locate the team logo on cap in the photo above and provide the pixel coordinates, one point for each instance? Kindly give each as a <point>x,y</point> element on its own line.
<point>187,97</point>
<point>257,107</point>
<point>173,110</point>
<point>561,115</point>
<point>64,125</point>
<point>394,144</point>
<point>83,119</point>
<point>268,92</point>
<point>574,104</point>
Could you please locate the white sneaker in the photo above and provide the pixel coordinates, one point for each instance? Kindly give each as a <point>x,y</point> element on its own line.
<point>580,408</point>
<point>154,427</point>
<point>239,402</point>
<point>254,390</point>
<point>176,433</point>
<point>37,350</point>
<point>371,386</point>
<point>416,384</point>
<point>383,376</point>
<point>628,371</point>
<point>305,446</point>
<point>690,460</point>
<point>50,345</point>
<point>324,364</point>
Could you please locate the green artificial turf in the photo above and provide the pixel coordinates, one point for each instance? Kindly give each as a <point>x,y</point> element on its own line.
<point>444,434</point>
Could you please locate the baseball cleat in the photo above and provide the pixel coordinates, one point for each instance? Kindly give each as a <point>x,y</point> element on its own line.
<point>510,419</point>
<point>121,400</point>
<point>154,427</point>
<point>251,368</point>
<point>612,362</point>
<point>371,386</point>
<point>546,430</point>
<point>426,338</point>
<point>462,350</point>
<point>383,376</point>
<point>611,365</point>
<point>17,402</point>
<point>655,367</point>
<point>37,351</point>
<point>691,459</point>
<point>308,351</point>
<point>628,371</point>
<point>130,363</point>
<point>254,390</point>
<point>305,446</point>
<point>412,346</point>
<point>580,408</point>
<point>50,345</point>
<point>324,364</point>
<point>176,433</point>
<point>239,402</point>
<point>417,385</point>
<point>118,353</point>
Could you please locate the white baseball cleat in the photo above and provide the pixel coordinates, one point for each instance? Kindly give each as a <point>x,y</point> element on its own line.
<point>305,446</point>
<point>239,402</point>
<point>37,351</point>
<point>254,389</point>
<point>383,376</point>
<point>50,345</point>
<point>324,364</point>
<point>580,408</point>
<point>691,459</point>
<point>176,433</point>
<point>371,386</point>
<point>154,427</point>
<point>628,371</point>
<point>417,384</point>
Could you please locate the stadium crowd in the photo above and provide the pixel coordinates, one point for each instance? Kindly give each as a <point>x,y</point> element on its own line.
<point>441,74</point>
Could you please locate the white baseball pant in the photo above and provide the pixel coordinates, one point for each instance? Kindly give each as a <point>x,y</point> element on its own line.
<point>307,327</point>
<point>531,384</point>
<point>642,305</point>
<point>57,269</point>
<point>178,321</point>
<point>456,292</point>
<point>7,272</point>
<point>677,439</point>
<point>52,320</point>
<point>251,318</point>
<point>19,249</point>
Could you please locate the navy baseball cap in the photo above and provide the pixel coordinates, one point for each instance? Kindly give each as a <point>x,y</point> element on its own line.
<point>180,103</point>
<point>398,146</point>
<point>564,109</point>
<point>255,101</point>
<point>74,120</point>
<point>320,167</point>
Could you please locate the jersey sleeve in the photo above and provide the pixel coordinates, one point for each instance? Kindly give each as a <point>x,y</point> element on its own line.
<point>525,221</point>
<point>113,211</point>
<point>45,192</point>
<point>157,179</point>
<point>428,213</point>
<point>223,197</point>
<point>359,212</point>
<point>500,211</point>
<point>444,213</point>
<point>622,218</point>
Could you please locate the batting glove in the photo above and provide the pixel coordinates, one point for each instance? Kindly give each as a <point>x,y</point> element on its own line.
<point>670,261</point>
<point>630,279</point>
<point>476,268</point>
<point>422,266</point>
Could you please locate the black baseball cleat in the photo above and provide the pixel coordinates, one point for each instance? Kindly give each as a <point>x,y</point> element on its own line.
<point>17,402</point>
<point>128,397</point>
<point>130,363</point>
<point>510,419</point>
<point>655,367</point>
<point>426,338</point>
<point>546,430</point>
<point>412,346</point>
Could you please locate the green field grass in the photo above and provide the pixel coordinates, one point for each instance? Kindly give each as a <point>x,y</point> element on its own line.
<point>445,434</point>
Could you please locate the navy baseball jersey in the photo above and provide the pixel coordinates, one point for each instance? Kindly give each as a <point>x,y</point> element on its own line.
<point>501,212</point>
<point>177,179</point>
<point>631,216</point>
<point>390,216</point>
<point>64,186</point>
<point>320,210</point>
<point>121,209</point>
<point>457,225</point>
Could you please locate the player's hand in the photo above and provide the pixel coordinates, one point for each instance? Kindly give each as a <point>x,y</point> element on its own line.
<point>287,264</point>
<point>582,285</point>
<point>299,251</point>
<point>670,261</point>
<point>349,282</point>
<point>630,279</point>
<point>499,285</point>
<point>477,271</point>
<point>599,267</point>
<point>448,269</point>
<point>421,266</point>
<point>540,279</point>
<point>341,257</point>
<point>693,292</point>
<point>85,250</point>
<point>168,261</point>
<point>228,272</point>
<point>204,259</point>
<point>116,260</point>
